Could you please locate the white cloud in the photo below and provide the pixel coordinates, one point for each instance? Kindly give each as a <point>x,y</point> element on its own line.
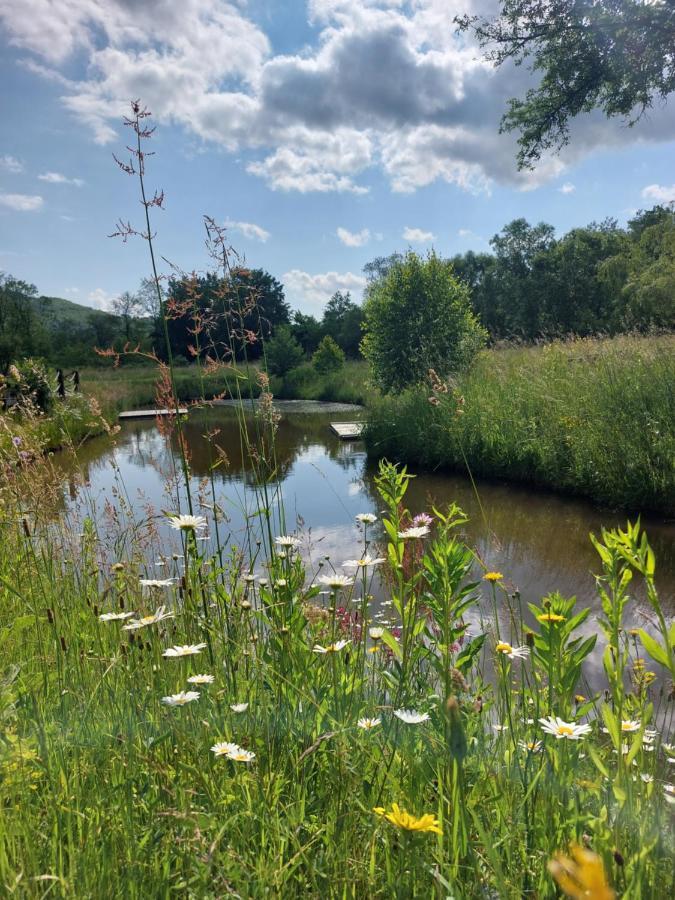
<point>100,299</point>
<point>469,235</point>
<point>567,188</point>
<point>659,193</point>
<point>57,178</point>
<point>11,164</point>
<point>314,291</point>
<point>386,83</point>
<point>249,230</point>
<point>353,238</point>
<point>21,202</point>
<point>417,235</point>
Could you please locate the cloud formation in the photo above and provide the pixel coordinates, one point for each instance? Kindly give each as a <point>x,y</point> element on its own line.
<point>250,230</point>
<point>417,235</point>
<point>567,188</point>
<point>312,292</point>
<point>386,85</point>
<point>659,193</point>
<point>57,178</point>
<point>353,238</point>
<point>11,164</point>
<point>21,202</point>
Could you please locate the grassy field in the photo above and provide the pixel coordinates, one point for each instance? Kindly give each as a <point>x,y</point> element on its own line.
<point>593,417</point>
<point>229,730</point>
<point>131,387</point>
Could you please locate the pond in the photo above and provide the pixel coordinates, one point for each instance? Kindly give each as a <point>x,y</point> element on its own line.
<point>538,540</point>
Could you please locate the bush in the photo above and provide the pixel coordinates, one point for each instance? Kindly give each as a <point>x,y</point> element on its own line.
<point>283,352</point>
<point>418,317</point>
<point>329,357</point>
<point>28,383</point>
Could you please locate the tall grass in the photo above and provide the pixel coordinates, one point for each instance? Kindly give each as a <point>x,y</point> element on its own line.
<point>593,417</point>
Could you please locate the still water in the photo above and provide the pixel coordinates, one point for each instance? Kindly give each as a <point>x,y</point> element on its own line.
<point>538,540</point>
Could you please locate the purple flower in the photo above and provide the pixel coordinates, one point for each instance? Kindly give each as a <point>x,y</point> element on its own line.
<point>25,455</point>
<point>422,519</point>
<point>17,441</point>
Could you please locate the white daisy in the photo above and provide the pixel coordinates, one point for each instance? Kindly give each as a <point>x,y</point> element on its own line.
<point>156,583</point>
<point>184,650</point>
<point>224,748</point>
<point>366,518</point>
<point>181,699</point>
<point>201,679</point>
<point>411,716</point>
<point>561,729</point>
<point>241,755</point>
<point>376,633</point>
<point>187,523</point>
<point>530,746</point>
<point>335,581</point>
<point>331,648</point>
<point>628,725</point>
<point>367,723</point>
<point>647,778</point>
<point>512,652</point>
<point>159,615</point>
<point>280,583</point>
<point>365,561</point>
<point>287,540</point>
<point>414,533</point>
<point>499,728</point>
<point>239,707</point>
<point>115,617</point>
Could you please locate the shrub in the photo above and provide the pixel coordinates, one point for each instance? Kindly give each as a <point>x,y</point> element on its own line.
<point>329,357</point>
<point>283,352</point>
<point>418,317</point>
<point>28,383</point>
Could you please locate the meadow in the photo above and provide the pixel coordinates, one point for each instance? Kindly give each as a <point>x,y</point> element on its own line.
<point>181,716</point>
<point>590,416</point>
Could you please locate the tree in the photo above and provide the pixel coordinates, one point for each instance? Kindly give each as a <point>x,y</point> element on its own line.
<point>21,334</point>
<point>329,357</point>
<point>306,330</point>
<point>283,352</point>
<point>342,320</point>
<point>419,317</point>
<point>615,55</point>
<point>127,306</point>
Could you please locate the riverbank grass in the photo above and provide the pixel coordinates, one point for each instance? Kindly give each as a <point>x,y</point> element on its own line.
<point>591,417</point>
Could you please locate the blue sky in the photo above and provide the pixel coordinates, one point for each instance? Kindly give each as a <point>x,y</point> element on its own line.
<point>326,132</point>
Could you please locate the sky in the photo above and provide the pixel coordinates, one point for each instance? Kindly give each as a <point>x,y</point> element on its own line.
<point>324,133</point>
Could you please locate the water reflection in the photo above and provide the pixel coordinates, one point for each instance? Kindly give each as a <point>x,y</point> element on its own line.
<point>538,540</point>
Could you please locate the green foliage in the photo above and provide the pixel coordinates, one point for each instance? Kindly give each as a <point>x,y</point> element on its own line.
<point>21,334</point>
<point>594,417</point>
<point>283,352</point>
<point>614,55</point>
<point>29,385</point>
<point>418,317</point>
<point>329,357</point>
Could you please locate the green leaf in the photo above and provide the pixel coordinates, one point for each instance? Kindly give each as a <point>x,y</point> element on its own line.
<point>653,648</point>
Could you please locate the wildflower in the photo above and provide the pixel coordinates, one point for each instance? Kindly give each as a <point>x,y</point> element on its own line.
<point>201,679</point>
<point>224,748</point>
<point>422,519</point>
<point>411,716</point>
<point>646,778</point>
<point>579,698</point>
<point>569,730</point>
<point>493,576</point>
<point>114,617</point>
<point>17,441</point>
<point>500,728</point>
<point>181,699</point>
<point>414,533</point>
<point>187,523</point>
<point>365,561</point>
<point>184,650</point>
<point>366,518</point>
<point>158,616</point>
<point>530,746</point>
<point>117,567</point>
<point>630,725</point>
<point>402,819</point>
<point>669,792</point>
<point>376,633</point>
<point>287,540</point>
<point>249,578</point>
<point>582,877</point>
<point>550,617</point>
<point>331,648</point>
<point>239,707</point>
<point>512,652</point>
<point>156,582</point>
<point>336,582</point>
<point>280,583</point>
<point>263,582</point>
<point>367,723</point>
<point>241,755</point>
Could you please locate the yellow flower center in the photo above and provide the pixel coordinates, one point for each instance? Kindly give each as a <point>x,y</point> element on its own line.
<point>503,648</point>
<point>565,729</point>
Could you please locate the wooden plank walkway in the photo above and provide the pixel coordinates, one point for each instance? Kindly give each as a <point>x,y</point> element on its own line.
<point>151,413</point>
<point>347,430</point>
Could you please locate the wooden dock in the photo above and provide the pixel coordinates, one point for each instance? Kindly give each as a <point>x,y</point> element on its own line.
<point>348,431</point>
<point>151,413</point>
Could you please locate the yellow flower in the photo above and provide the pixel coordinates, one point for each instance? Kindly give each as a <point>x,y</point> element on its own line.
<point>579,698</point>
<point>550,617</point>
<point>402,819</point>
<point>493,576</point>
<point>583,876</point>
